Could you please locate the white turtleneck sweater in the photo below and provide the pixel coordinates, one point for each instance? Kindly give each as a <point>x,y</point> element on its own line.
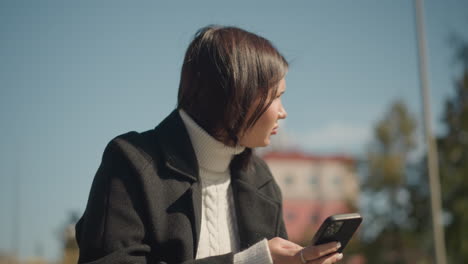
<point>218,233</point>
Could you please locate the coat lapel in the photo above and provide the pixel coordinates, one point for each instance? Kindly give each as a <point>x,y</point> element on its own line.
<point>186,199</point>
<point>180,163</point>
<point>256,213</point>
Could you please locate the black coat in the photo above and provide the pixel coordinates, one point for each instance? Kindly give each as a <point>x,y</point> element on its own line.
<point>145,201</point>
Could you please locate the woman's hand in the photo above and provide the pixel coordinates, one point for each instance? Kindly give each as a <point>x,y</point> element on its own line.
<point>284,251</point>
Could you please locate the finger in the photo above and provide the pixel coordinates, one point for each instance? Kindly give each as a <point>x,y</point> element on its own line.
<point>330,259</point>
<point>318,251</point>
<point>283,243</point>
<point>290,245</point>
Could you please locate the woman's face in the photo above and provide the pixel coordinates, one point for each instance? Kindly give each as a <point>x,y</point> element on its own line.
<point>259,134</point>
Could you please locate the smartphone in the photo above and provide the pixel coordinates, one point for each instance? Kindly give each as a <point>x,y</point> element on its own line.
<point>337,228</point>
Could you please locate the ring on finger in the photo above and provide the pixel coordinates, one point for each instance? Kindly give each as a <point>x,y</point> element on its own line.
<point>301,254</point>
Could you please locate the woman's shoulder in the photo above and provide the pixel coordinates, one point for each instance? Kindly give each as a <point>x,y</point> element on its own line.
<point>263,173</point>
<point>138,147</point>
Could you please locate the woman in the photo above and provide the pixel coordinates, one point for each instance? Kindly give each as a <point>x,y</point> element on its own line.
<point>190,190</point>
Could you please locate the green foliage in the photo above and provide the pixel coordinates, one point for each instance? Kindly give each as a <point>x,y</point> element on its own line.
<point>394,136</point>
<point>398,207</point>
<point>453,160</point>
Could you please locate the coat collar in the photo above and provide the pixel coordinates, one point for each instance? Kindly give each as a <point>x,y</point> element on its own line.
<point>179,155</point>
<point>177,151</point>
<point>256,212</point>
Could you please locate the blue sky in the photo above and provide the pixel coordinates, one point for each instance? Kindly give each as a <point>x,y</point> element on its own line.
<point>74,74</point>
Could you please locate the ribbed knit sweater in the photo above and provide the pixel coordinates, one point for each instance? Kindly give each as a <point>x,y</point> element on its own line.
<point>218,233</point>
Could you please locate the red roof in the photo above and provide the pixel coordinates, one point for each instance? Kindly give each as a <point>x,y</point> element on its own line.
<point>296,155</point>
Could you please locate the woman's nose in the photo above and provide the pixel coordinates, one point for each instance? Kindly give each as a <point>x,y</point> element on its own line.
<point>282,114</point>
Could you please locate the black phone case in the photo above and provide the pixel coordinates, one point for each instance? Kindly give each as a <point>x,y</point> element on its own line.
<point>337,228</point>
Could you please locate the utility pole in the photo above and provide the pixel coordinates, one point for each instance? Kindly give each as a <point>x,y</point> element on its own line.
<point>433,163</point>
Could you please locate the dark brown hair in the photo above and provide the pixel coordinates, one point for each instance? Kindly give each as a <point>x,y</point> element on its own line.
<point>225,71</point>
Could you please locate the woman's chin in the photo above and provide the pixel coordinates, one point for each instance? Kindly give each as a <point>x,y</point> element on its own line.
<point>265,143</point>
<point>258,143</point>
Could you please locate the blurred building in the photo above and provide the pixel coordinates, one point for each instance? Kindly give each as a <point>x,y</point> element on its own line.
<point>313,187</point>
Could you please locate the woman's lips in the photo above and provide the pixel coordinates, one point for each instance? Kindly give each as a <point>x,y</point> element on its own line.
<point>275,130</point>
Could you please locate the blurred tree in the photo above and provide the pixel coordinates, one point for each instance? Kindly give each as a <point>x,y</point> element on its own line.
<point>389,209</point>
<point>70,247</point>
<point>394,136</point>
<point>453,158</point>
